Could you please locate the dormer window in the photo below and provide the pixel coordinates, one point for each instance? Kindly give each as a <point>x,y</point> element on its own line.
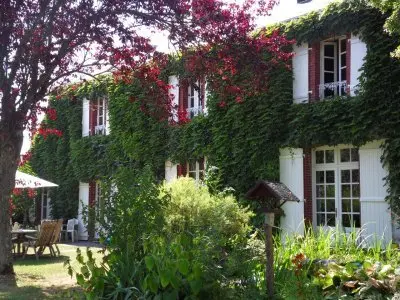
<point>333,68</point>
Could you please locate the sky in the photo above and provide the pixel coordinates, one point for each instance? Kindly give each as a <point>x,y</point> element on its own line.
<point>285,10</point>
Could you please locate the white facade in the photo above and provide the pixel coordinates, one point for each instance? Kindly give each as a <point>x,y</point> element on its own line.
<point>171,171</point>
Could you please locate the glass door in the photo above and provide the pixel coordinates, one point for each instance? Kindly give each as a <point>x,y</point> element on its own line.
<point>336,188</point>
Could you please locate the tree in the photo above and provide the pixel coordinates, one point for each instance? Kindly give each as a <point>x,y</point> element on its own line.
<point>45,42</point>
<point>392,24</point>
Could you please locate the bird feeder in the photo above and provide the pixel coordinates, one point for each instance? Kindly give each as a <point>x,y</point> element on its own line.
<point>271,196</point>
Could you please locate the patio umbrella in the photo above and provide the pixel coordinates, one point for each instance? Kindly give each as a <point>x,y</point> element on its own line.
<point>23,180</point>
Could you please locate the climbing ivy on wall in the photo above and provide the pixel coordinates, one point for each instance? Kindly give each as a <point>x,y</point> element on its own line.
<point>242,138</point>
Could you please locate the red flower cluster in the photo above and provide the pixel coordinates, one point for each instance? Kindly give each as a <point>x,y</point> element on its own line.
<point>45,132</point>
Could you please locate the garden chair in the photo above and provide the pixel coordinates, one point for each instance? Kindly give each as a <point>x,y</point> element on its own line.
<point>71,229</point>
<point>56,237</point>
<point>44,238</point>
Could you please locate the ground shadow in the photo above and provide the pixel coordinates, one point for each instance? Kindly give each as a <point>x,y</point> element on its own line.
<point>38,293</point>
<point>30,260</point>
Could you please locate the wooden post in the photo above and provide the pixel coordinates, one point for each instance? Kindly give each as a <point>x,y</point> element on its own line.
<point>269,251</point>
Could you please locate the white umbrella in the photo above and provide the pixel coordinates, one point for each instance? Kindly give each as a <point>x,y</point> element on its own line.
<point>23,180</point>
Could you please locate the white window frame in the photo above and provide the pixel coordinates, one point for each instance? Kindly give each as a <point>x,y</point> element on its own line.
<point>337,166</point>
<point>100,128</point>
<point>197,173</point>
<point>338,86</point>
<point>45,200</point>
<point>194,103</point>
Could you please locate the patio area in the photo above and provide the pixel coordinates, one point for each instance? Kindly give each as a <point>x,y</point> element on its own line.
<point>47,277</point>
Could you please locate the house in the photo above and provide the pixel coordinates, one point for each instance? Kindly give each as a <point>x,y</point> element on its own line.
<point>339,184</point>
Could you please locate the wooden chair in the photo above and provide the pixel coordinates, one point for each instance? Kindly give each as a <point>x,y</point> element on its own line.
<point>44,239</point>
<point>56,237</point>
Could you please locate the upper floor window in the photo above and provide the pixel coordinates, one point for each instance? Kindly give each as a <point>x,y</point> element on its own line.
<point>194,99</point>
<point>100,127</point>
<point>333,68</point>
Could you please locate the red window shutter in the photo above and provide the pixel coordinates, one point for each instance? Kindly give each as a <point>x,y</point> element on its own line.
<point>183,96</point>
<point>92,117</point>
<point>314,71</point>
<point>181,170</point>
<point>202,91</point>
<point>92,193</point>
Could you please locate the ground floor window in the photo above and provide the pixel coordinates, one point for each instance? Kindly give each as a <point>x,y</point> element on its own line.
<point>336,187</point>
<point>196,169</point>
<point>45,204</point>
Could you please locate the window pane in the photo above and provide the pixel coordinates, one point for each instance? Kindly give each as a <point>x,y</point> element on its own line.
<point>320,176</point>
<point>345,176</point>
<point>329,50</point>
<point>330,220</point>
<point>356,190</point>
<point>320,191</point>
<point>330,176</point>
<point>329,64</point>
<point>346,190</point>
<point>346,220</point>
<point>330,205</point>
<point>319,157</point>
<point>357,220</point>
<point>320,205</point>
<point>320,219</point>
<point>343,45</point>
<point>329,156</point>
<point>355,175</point>
<point>343,76</point>
<point>356,205</point>
<point>354,154</point>
<point>192,166</point>
<point>330,191</point>
<point>329,77</point>
<point>344,155</point>
<point>343,60</point>
<point>346,205</point>
<point>192,175</point>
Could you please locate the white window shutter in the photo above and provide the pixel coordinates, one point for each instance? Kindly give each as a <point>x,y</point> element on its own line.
<point>291,174</point>
<point>358,51</point>
<point>300,73</point>
<point>375,212</point>
<point>83,201</point>
<point>107,115</point>
<point>85,117</point>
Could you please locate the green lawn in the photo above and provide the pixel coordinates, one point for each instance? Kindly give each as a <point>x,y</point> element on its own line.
<point>43,279</point>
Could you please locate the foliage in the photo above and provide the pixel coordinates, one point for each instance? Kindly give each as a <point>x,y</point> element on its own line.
<point>162,243</point>
<point>392,24</point>
<point>333,264</point>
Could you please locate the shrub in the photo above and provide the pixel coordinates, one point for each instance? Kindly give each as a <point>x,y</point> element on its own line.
<point>173,241</point>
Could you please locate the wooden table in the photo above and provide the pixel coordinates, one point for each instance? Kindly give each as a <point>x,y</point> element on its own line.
<point>21,233</point>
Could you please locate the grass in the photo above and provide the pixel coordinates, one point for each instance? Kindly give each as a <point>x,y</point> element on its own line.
<point>43,279</point>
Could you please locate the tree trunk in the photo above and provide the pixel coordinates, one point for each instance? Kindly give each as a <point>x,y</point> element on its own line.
<point>10,147</point>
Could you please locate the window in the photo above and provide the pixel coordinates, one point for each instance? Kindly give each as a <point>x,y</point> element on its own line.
<point>101,117</point>
<point>196,169</point>
<point>194,101</point>
<point>333,68</point>
<point>336,188</point>
<point>45,204</point>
